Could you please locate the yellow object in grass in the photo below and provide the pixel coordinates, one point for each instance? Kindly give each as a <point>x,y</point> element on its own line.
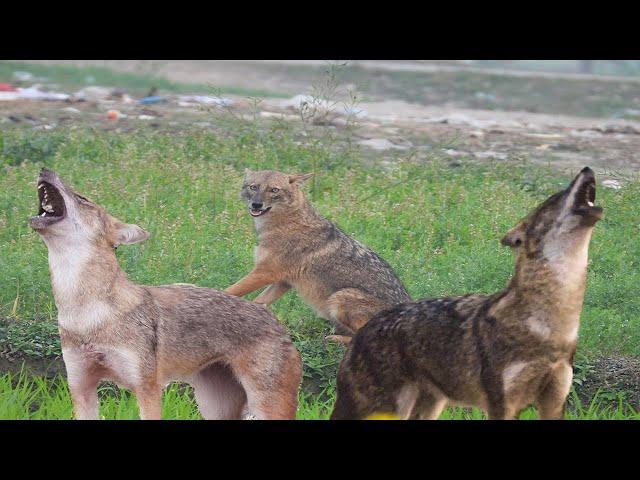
<point>382,416</point>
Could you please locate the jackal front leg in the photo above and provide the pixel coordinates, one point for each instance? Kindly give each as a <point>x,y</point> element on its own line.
<point>551,400</point>
<point>272,293</point>
<point>149,401</point>
<point>83,385</point>
<point>257,278</point>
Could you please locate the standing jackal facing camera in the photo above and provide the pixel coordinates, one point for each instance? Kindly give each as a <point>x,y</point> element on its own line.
<point>234,353</point>
<point>342,279</point>
<point>500,353</point>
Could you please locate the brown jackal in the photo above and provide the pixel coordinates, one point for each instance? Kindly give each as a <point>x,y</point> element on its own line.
<point>342,279</point>
<point>500,353</point>
<point>233,352</point>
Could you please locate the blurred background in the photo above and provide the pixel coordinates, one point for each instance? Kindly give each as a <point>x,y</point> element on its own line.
<point>565,113</point>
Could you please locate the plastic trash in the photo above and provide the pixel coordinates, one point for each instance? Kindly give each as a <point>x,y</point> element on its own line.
<point>610,183</point>
<point>355,111</point>
<point>487,97</point>
<point>186,100</point>
<point>93,93</point>
<point>152,99</point>
<point>114,115</point>
<point>31,93</point>
<point>307,101</point>
<point>5,87</point>
<point>34,93</point>
<point>380,144</point>
<point>8,96</point>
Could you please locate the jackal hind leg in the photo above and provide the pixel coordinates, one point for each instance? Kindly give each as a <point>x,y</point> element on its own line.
<point>218,393</point>
<point>352,308</point>
<point>272,293</point>
<point>342,335</point>
<point>271,379</point>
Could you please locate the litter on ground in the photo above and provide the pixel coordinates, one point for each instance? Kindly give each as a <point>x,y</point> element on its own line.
<point>188,100</point>
<point>32,93</point>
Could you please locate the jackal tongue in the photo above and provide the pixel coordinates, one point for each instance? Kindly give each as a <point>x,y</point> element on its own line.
<point>256,212</point>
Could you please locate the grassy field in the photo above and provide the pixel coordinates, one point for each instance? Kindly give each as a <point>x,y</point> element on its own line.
<point>23,397</point>
<point>438,225</point>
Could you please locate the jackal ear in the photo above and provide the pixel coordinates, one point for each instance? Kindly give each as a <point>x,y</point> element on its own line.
<point>247,172</point>
<point>128,233</point>
<point>300,178</point>
<point>514,237</point>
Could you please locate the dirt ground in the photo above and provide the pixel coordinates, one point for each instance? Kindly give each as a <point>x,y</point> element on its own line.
<point>610,375</point>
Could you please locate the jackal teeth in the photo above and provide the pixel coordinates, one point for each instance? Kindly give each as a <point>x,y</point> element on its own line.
<point>43,214</point>
<point>590,204</point>
<point>48,208</point>
<point>40,186</point>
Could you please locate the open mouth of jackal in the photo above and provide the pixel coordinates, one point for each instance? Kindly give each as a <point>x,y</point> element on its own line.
<point>51,206</point>
<point>584,203</point>
<point>256,212</point>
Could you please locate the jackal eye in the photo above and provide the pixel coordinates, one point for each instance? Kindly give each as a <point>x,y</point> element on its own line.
<point>275,190</point>
<point>252,187</point>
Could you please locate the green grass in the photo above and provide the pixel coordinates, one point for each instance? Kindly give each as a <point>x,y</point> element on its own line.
<point>438,226</point>
<point>71,78</point>
<point>25,397</point>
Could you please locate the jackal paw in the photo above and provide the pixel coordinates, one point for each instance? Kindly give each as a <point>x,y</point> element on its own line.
<point>343,339</point>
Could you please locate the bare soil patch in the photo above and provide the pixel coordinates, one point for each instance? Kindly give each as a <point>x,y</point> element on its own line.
<point>611,376</point>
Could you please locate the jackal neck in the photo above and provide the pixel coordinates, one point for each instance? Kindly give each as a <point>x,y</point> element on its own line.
<point>88,277</point>
<point>547,296</point>
<point>303,217</point>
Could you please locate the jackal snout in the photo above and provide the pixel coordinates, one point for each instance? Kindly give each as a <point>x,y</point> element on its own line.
<point>64,214</point>
<point>269,191</point>
<point>560,224</point>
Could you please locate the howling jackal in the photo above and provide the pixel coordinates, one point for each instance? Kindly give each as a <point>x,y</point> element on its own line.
<point>500,353</point>
<point>234,353</point>
<point>342,279</point>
